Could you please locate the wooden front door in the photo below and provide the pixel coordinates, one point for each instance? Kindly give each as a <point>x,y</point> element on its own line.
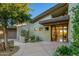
<point>60,33</point>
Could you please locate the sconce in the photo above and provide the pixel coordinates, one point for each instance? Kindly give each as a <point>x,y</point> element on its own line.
<point>35,29</point>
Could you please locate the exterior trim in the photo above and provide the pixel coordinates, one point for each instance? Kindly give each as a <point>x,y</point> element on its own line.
<point>54,20</point>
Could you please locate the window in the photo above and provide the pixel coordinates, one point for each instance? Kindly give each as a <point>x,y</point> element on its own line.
<point>46,28</point>
<point>60,33</point>
<point>40,28</point>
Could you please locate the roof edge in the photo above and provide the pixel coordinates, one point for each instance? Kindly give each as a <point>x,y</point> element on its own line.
<point>48,11</point>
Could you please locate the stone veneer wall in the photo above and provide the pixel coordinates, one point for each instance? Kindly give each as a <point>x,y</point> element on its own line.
<point>70,21</point>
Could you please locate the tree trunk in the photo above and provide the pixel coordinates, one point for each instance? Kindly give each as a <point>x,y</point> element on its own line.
<point>5,39</point>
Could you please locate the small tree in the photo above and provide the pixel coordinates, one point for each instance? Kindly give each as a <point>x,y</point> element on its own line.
<point>13,13</point>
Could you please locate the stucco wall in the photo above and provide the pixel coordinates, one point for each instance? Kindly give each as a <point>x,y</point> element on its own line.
<point>44,35</point>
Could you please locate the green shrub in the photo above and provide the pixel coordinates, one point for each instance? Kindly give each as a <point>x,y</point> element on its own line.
<point>63,51</point>
<point>75,48</point>
<point>25,34</point>
<point>75,43</point>
<point>72,50</point>
<point>38,38</point>
<point>11,43</point>
<point>35,39</point>
<point>32,38</point>
<point>75,51</point>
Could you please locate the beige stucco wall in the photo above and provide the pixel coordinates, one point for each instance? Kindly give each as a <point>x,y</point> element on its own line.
<point>70,21</point>
<point>44,35</point>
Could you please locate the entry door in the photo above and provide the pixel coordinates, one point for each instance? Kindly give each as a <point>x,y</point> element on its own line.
<point>59,33</point>
<point>54,34</point>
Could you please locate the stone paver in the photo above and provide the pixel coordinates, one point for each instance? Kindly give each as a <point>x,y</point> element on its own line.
<point>36,49</point>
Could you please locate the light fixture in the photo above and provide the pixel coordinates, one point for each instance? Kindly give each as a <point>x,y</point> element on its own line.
<point>35,29</point>
<point>61,40</point>
<point>61,31</point>
<point>65,31</point>
<point>65,27</point>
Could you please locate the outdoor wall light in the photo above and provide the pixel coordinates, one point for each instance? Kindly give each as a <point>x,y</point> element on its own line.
<point>61,31</point>
<point>35,29</point>
<point>61,40</point>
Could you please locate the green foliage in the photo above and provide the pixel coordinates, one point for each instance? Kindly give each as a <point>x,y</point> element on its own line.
<point>25,34</point>
<point>38,38</point>
<point>74,50</point>
<point>35,39</point>
<point>16,13</point>
<point>32,38</point>
<point>75,22</point>
<point>63,51</point>
<point>28,37</point>
<point>75,43</point>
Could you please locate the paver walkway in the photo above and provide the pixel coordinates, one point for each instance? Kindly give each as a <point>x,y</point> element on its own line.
<point>36,49</point>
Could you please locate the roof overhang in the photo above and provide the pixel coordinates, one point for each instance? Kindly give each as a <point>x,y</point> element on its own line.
<point>47,12</point>
<point>55,20</point>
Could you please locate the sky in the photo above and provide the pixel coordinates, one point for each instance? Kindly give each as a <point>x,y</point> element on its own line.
<point>38,8</point>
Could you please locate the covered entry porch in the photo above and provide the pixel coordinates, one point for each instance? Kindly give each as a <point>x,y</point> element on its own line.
<point>59,28</point>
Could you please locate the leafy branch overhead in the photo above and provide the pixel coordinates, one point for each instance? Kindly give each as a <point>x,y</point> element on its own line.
<point>19,13</point>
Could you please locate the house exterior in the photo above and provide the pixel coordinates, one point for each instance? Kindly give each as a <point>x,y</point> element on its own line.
<point>52,25</point>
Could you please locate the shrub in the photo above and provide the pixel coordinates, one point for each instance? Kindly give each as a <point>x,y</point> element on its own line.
<point>11,44</point>
<point>25,34</point>
<point>32,38</point>
<point>35,39</point>
<point>75,43</point>
<point>63,51</point>
<point>75,48</point>
<point>75,51</point>
<point>38,38</point>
